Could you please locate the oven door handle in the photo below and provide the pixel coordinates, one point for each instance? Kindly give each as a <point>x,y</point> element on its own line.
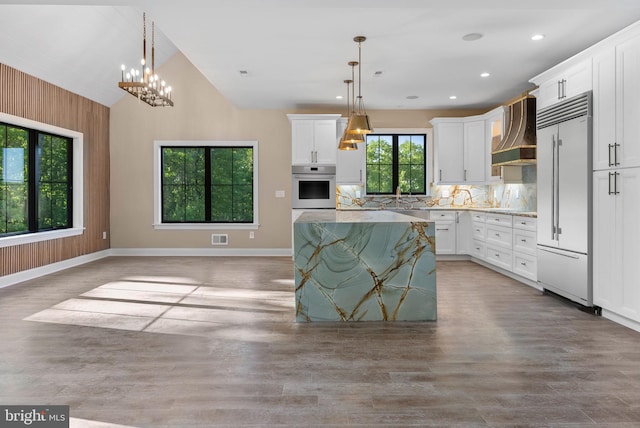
<point>314,176</point>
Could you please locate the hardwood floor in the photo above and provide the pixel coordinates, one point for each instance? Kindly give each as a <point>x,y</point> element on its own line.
<point>212,342</point>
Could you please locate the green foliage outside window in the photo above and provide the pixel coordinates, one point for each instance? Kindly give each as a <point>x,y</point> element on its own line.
<point>35,181</point>
<point>396,161</point>
<point>207,184</point>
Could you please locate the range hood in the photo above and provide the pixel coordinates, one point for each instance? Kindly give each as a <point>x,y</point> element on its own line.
<point>518,147</point>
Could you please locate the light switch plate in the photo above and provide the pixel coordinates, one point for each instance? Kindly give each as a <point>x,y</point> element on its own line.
<point>279,193</point>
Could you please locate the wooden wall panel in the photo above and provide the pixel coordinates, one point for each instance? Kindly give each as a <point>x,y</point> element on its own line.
<point>31,98</point>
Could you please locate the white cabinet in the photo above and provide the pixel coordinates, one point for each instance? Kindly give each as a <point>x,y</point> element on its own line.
<point>463,231</point>
<point>313,138</point>
<point>460,150</point>
<point>567,83</point>
<point>616,106</point>
<point>479,235</point>
<point>445,231</point>
<point>350,164</point>
<point>616,242</point>
<point>524,247</point>
<point>499,237</point>
<point>475,150</point>
<point>494,132</point>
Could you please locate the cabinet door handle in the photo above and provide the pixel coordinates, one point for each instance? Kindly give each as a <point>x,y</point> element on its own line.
<point>615,183</point>
<point>610,147</point>
<point>497,255</point>
<point>524,223</point>
<point>465,175</point>
<point>440,179</point>
<point>615,154</point>
<point>609,187</point>
<point>498,235</point>
<point>360,175</point>
<point>523,240</point>
<point>444,229</point>
<point>523,263</point>
<point>559,89</point>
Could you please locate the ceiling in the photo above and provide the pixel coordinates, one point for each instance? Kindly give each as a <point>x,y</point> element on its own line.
<point>295,53</point>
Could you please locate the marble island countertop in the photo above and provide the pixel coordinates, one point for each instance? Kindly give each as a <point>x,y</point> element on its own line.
<point>508,211</point>
<point>356,216</point>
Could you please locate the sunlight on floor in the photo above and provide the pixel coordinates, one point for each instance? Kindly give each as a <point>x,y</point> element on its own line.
<point>85,423</point>
<point>175,306</point>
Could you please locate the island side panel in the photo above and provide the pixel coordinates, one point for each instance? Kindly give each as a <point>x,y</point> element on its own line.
<point>365,271</point>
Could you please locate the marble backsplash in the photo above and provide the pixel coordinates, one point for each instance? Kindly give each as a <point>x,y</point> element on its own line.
<point>519,197</point>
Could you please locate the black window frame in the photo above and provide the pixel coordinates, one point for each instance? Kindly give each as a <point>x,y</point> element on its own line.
<point>206,184</point>
<point>395,162</point>
<point>33,196</point>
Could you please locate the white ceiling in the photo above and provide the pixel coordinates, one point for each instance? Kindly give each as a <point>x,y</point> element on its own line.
<point>296,52</point>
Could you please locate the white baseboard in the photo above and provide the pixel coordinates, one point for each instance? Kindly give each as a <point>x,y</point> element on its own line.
<point>634,325</point>
<point>26,275</point>
<point>197,252</point>
<point>511,275</point>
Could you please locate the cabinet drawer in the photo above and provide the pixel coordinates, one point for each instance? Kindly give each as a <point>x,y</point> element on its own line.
<point>478,217</point>
<point>524,241</point>
<point>442,215</point>
<point>525,223</point>
<point>500,257</point>
<point>499,219</point>
<point>525,265</point>
<point>478,231</point>
<point>478,249</point>
<point>501,236</point>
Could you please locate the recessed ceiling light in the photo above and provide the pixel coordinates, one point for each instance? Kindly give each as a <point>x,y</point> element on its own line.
<point>537,37</point>
<point>338,97</point>
<point>485,74</point>
<point>453,97</point>
<point>471,37</point>
<point>412,97</point>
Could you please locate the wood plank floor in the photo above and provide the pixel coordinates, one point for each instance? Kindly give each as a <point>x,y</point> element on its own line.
<point>212,342</point>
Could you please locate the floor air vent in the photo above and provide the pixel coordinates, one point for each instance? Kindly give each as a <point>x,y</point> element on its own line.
<point>219,239</point>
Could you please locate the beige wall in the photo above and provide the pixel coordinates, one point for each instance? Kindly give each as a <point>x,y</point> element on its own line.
<point>202,113</point>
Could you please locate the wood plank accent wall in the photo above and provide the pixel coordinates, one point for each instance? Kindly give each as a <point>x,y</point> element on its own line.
<point>31,98</point>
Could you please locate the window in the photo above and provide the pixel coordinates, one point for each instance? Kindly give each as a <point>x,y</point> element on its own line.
<point>206,184</point>
<point>36,176</point>
<point>396,160</point>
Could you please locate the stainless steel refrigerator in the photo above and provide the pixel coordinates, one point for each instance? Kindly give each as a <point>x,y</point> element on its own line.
<point>564,171</point>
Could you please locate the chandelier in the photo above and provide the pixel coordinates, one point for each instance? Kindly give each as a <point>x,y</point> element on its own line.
<point>144,83</point>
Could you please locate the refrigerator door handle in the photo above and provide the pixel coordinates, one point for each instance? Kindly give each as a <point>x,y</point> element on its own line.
<point>609,188</point>
<point>556,193</point>
<point>558,253</point>
<point>615,183</point>
<point>610,147</point>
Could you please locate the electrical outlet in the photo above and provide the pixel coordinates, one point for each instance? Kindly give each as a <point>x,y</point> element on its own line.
<point>104,235</point>
<point>251,235</point>
<point>279,193</point>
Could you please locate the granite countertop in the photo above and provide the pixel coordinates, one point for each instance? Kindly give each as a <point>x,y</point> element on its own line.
<point>356,216</point>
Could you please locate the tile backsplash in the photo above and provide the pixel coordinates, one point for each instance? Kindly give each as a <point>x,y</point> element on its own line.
<point>519,197</point>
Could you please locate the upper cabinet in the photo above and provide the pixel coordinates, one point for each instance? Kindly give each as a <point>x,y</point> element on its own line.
<point>565,82</point>
<point>349,163</point>
<point>313,138</point>
<point>460,150</point>
<point>616,106</point>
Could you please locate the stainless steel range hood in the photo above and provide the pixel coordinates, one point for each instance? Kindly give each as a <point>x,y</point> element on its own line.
<point>518,147</point>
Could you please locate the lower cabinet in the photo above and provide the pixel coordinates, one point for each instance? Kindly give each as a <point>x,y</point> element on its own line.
<point>445,231</point>
<point>505,241</point>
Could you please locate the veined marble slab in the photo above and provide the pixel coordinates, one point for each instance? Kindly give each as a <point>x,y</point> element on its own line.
<point>364,266</point>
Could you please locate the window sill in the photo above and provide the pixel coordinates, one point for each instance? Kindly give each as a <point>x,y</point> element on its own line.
<point>208,226</point>
<point>28,238</point>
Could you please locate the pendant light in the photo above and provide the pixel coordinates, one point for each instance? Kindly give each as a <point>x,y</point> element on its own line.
<point>350,137</point>
<point>359,121</point>
<point>346,143</point>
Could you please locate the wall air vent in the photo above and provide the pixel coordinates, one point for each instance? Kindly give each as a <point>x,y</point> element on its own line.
<point>219,239</point>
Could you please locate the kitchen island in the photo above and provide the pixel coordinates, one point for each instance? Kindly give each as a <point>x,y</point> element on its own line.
<point>364,266</point>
